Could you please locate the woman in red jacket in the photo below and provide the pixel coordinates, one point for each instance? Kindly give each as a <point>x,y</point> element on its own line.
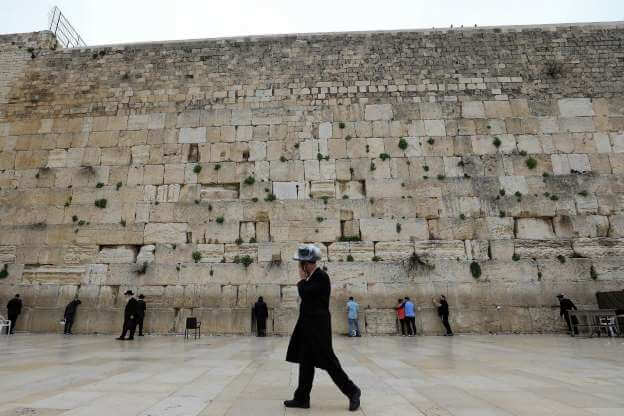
<point>400,310</point>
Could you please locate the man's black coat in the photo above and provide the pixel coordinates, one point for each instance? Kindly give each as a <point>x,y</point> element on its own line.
<point>260,310</point>
<point>141,307</point>
<point>311,340</point>
<point>70,309</point>
<point>132,309</point>
<point>14,307</point>
<point>565,305</point>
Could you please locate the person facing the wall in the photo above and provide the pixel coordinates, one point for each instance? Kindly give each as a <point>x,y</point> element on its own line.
<point>565,306</point>
<point>443,313</point>
<point>400,310</point>
<point>261,313</point>
<point>141,308</point>
<point>352,315</point>
<point>311,341</point>
<point>410,317</point>
<point>14,309</point>
<point>130,317</point>
<point>70,314</point>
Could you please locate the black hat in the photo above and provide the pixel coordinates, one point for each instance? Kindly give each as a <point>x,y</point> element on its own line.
<point>141,296</point>
<point>129,292</point>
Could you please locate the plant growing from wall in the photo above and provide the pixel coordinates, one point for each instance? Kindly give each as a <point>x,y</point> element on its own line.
<point>583,193</point>
<point>515,257</point>
<point>342,125</point>
<point>220,220</point>
<point>398,228</point>
<point>402,144</point>
<point>523,153</point>
<point>122,222</point>
<point>283,159</point>
<point>414,262</point>
<point>250,180</point>
<point>74,218</point>
<point>197,256</point>
<point>217,166</point>
<point>101,203</point>
<point>197,169</point>
<point>431,141</point>
<point>592,273</point>
<point>561,258</point>
<point>350,258</point>
<point>372,166</point>
<point>118,186</point>
<point>475,269</point>
<point>376,259</point>
<point>384,156</point>
<point>68,202</point>
<point>99,185</point>
<point>531,163</point>
<point>238,241</point>
<point>4,273</point>
<point>497,142</point>
<point>270,197</point>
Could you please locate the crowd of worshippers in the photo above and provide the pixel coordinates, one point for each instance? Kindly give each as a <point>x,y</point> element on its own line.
<point>134,315</point>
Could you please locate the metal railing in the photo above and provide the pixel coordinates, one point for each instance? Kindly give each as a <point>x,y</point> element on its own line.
<point>65,33</point>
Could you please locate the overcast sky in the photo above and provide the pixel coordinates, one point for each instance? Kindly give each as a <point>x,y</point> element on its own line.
<point>122,21</point>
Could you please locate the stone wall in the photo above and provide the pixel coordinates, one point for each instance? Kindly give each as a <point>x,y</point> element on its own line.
<point>407,156</point>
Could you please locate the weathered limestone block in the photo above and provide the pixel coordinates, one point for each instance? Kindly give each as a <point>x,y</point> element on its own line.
<point>146,254</point>
<point>377,229</point>
<point>110,234</point>
<point>227,232</point>
<point>7,254</point>
<point>234,250</point>
<point>350,190</point>
<point>165,233</point>
<point>394,250</point>
<point>616,226</point>
<point>502,249</point>
<point>598,247</point>
<point>381,321</point>
<point>320,189</point>
<point>80,254</point>
<point>215,192</point>
<point>534,229</point>
<point>473,109</point>
<point>534,248</point>
<point>50,275</point>
<point>581,226</point>
<point>575,107</point>
<point>374,112</point>
<point>477,249</point>
<point>287,190</point>
<point>494,228</point>
<point>447,249</point>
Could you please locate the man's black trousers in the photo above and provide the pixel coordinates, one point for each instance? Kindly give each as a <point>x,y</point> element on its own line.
<point>411,325</point>
<point>13,319</point>
<point>129,325</point>
<point>69,321</point>
<point>402,322</point>
<point>139,323</point>
<point>261,326</point>
<point>446,324</point>
<point>335,371</point>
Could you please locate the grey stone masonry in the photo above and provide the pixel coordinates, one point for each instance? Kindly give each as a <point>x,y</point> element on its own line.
<point>190,171</point>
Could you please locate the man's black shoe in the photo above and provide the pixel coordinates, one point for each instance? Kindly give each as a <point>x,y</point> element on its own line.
<point>120,339</point>
<point>297,404</point>
<point>130,339</point>
<point>354,400</point>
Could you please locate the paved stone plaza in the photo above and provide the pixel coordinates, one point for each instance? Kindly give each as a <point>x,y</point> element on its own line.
<point>167,376</point>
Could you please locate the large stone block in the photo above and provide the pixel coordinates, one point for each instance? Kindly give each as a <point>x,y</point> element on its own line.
<point>374,112</point>
<point>165,233</point>
<point>377,229</point>
<point>534,229</point>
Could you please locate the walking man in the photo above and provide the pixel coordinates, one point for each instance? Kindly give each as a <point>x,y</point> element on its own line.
<point>130,317</point>
<point>70,313</point>
<point>261,313</point>
<point>565,306</point>
<point>400,310</point>
<point>141,307</point>
<point>443,312</point>
<point>352,314</point>
<point>410,317</point>
<point>311,341</point>
<point>14,308</point>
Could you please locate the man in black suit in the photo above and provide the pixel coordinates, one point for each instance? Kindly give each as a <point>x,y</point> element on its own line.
<point>14,308</point>
<point>565,306</point>
<point>70,313</point>
<point>261,313</point>
<point>311,342</point>
<point>130,317</point>
<point>141,313</point>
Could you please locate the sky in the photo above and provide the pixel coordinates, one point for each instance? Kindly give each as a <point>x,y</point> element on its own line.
<point>102,22</point>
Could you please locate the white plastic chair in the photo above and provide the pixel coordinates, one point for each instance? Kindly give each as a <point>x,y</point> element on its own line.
<point>5,323</point>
